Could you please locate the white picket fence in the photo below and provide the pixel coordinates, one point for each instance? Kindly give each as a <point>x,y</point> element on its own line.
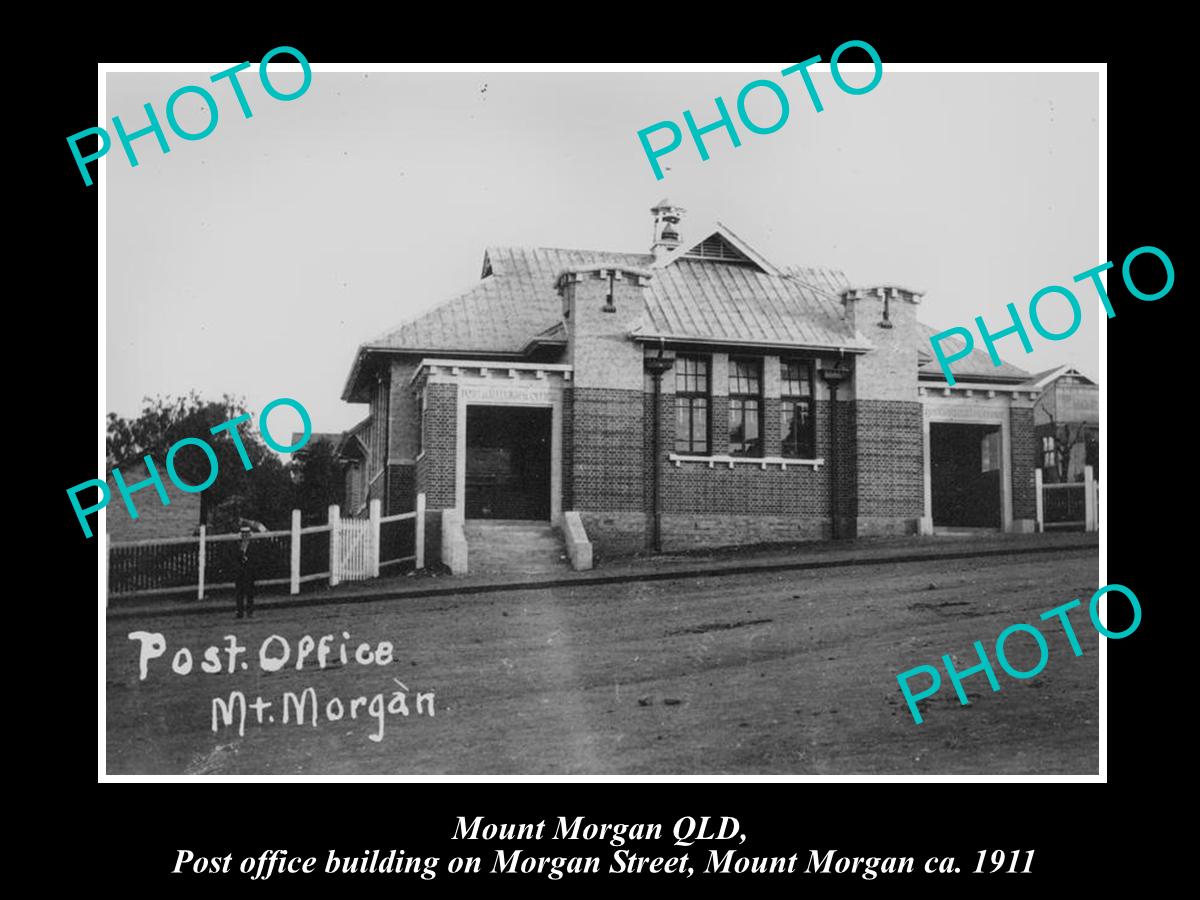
<point>358,549</point>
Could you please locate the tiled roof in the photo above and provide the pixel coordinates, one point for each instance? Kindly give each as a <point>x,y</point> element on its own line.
<point>314,438</point>
<point>831,281</point>
<point>508,308</point>
<point>976,365</point>
<point>517,304</point>
<point>517,300</point>
<point>710,300</point>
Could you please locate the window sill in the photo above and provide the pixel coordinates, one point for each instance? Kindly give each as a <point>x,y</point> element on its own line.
<point>761,461</point>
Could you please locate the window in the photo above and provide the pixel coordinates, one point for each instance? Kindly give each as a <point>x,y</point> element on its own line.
<point>745,407</point>
<point>796,407</point>
<point>691,404</point>
<point>989,452</point>
<point>1049,452</point>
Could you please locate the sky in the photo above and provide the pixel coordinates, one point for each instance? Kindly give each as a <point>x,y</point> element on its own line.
<point>256,260</point>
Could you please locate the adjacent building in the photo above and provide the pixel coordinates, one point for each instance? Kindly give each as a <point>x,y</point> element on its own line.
<point>1066,424</point>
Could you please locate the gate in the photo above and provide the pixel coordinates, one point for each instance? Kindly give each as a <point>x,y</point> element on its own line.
<point>1074,505</point>
<point>355,555</point>
<point>1064,506</point>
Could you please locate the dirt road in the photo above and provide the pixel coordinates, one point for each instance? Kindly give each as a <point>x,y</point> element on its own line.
<point>791,672</point>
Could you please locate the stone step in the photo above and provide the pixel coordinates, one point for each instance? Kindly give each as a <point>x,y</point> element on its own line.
<point>517,570</point>
<point>514,548</point>
<point>497,531</point>
<point>515,540</point>
<point>508,545</point>
<point>496,537</point>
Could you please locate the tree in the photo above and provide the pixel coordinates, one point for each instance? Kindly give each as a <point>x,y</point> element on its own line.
<point>266,495</point>
<point>319,479</point>
<point>262,493</point>
<point>1065,440</point>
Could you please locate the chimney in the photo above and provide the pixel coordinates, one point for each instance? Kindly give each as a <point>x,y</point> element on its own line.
<point>886,315</point>
<point>883,306</point>
<point>666,221</point>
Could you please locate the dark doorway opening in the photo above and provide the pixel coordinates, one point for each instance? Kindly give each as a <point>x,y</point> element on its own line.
<point>964,470</point>
<point>508,462</point>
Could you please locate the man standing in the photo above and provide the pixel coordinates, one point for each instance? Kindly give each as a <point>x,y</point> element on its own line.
<point>245,576</point>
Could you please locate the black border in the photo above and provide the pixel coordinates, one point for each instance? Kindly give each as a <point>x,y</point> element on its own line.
<point>1096,835</point>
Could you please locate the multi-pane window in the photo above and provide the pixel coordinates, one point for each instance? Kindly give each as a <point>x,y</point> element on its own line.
<point>691,404</point>
<point>1049,452</point>
<point>796,408</point>
<point>745,407</point>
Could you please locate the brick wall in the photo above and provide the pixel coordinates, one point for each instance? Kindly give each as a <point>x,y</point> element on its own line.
<point>615,534</point>
<point>879,473</point>
<point>1024,460</point>
<point>890,466</point>
<point>435,471</point>
<point>604,467</point>
<point>703,507</point>
<point>568,449</point>
<point>606,459</point>
<point>666,419</point>
<point>847,466</point>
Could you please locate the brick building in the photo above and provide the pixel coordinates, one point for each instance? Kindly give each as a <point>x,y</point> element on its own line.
<point>696,395</point>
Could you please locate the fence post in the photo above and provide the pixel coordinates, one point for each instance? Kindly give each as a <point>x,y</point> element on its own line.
<point>419,524</point>
<point>201,562</point>
<point>1089,499</point>
<point>335,519</point>
<point>1037,489</point>
<point>374,513</point>
<point>295,587</point>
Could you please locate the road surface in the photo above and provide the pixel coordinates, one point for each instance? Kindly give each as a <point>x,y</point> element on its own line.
<point>772,673</point>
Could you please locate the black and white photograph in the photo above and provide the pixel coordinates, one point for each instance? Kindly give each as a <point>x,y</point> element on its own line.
<point>659,420</point>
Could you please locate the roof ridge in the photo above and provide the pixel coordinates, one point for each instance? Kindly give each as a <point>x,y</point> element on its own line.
<point>567,249</point>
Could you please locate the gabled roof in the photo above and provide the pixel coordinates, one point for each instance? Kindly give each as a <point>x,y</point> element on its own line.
<point>516,307</point>
<point>1041,380</point>
<point>977,366</point>
<point>351,445</point>
<point>723,234</point>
